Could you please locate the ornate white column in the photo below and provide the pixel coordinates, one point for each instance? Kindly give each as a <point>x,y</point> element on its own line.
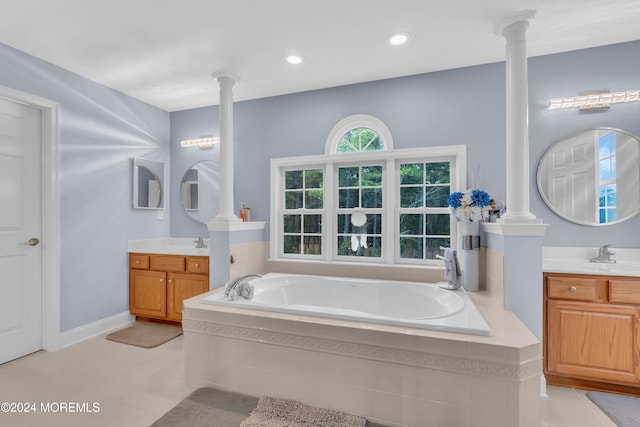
<point>514,31</point>
<point>225,213</point>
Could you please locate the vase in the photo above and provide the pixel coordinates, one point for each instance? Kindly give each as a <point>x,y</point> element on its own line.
<point>470,254</point>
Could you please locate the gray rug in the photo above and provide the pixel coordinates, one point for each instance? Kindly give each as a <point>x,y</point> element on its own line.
<point>145,334</point>
<point>622,409</point>
<point>209,407</point>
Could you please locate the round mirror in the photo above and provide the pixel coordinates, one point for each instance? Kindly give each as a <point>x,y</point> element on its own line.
<point>592,177</point>
<point>199,191</point>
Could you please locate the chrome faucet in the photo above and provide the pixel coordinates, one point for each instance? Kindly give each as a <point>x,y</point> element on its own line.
<point>604,255</point>
<point>200,243</point>
<point>232,284</point>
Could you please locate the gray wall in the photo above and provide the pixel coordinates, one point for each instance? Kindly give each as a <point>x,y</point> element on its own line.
<point>462,106</point>
<point>101,130</point>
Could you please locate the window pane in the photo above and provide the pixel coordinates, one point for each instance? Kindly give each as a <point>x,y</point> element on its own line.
<point>313,224</point>
<point>360,245</point>
<point>371,176</point>
<point>605,170</point>
<point>411,197</point>
<point>348,177</point>
<point>411,224</point>
<point>313,178</point>
<point>372,197</point>
<point>292,223</point>
<point>436,197</point>
<point>372,226</point>
<point>411,173</point>
<point>312,245</point>
<point>293,179</point>
<point>437,173</point>
<point>293,200</point>
<point>433,247</point>
<point>291,244</point>
<point>349,198</point>
<point>411,247</point>
<point>313,199</point>
<point>438,224</point>
<point>611,195</point>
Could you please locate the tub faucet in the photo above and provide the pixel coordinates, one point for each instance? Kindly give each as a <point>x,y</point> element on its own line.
<point>604,255</point>
<point>200,243</point>
<point>230,287</point>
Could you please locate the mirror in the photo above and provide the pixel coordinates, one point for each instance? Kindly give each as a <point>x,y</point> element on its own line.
<point>592,177</point>
<point>148,184</point>
<point>199,191</point>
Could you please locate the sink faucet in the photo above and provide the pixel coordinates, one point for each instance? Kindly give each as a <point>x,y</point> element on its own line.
<point>200,243</point>
<point>239,282</point>
<point>604,255</point>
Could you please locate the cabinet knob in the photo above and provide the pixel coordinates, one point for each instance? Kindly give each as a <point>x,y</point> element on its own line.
<point>197,265</point>
<point>137,261</point>
<point>170,280</point>
<point>161,280</point>
<point>573,289</point>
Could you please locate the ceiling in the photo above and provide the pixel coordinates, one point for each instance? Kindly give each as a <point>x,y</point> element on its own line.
<point>164,51</point>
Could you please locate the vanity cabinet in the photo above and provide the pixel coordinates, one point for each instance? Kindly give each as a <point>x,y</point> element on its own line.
<point>159,283</point>
<point>592,334</point>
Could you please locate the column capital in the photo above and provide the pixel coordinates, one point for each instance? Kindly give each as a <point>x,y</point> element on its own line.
<point>224,77</point>
<point>515,26</point>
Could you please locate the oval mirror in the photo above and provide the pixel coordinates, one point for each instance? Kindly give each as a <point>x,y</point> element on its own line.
<point>592,177</point>
<point>199,191</point>
<point>148,178</point>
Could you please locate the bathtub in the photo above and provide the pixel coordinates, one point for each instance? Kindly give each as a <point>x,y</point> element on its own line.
<point>408,304</point>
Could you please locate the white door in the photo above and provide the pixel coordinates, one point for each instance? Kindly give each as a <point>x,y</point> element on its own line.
<point>20,230</point>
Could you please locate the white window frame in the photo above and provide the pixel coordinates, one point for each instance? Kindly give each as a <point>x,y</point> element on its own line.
<point>390,190</point>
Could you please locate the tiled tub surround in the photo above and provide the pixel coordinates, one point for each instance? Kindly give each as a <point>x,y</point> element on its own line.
<point>393,375</point>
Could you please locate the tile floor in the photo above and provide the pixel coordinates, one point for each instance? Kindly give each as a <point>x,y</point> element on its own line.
<point>133,387</point>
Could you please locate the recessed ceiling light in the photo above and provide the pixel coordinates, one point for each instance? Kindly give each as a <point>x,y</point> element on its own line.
<point>397,39</point>
<point>294,59</point>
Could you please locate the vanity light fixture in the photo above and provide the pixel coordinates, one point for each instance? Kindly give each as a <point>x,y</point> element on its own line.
<point>204,143</point>
<point>398,39</point>
<point>594,100</point>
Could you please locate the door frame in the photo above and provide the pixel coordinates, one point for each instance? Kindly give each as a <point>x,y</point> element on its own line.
<point>50,173</point>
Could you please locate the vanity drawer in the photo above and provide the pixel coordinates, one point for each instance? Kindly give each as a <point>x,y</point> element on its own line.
<point>573,288</point>
<point>167,262</point>
<point>198,265</point>
<point>139,262</point>
<point>624,291</point>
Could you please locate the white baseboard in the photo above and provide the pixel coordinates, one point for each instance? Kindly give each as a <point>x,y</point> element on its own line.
<point>90,330</point>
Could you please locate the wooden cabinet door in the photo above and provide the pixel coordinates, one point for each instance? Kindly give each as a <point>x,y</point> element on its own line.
<point>183,286</point>
<point>593,341</point>
<point>148,293</point>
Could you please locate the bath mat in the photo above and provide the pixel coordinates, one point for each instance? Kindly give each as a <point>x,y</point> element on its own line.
<point>146,335</point>
<point>272,412</point>
<point>622,409</point>
<point>209,407</point>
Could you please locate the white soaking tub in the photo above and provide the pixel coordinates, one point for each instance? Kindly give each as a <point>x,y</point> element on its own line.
<point>409,304</point>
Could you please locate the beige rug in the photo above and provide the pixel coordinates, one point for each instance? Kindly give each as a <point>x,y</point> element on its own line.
<point>145,334</point>
<point>210,407</point>
<point>272,412</point>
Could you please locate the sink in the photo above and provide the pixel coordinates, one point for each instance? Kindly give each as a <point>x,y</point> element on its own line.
<point>169,246</point>
<point>586,267</point>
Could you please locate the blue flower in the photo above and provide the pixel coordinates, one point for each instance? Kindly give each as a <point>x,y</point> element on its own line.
<point>480,198</point>
<point>455,200</point>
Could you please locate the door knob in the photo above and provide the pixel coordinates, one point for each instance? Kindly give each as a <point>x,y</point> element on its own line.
<point>32,242</point>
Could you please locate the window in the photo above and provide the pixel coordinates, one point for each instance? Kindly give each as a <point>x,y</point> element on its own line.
<point>363,201</point>
<point>424,220</point>
<point>607,179</point>
<point>302,215</point>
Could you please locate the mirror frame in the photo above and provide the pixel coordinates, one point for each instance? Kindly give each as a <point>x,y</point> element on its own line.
<point>547,154</point>
<point>157,170</point>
